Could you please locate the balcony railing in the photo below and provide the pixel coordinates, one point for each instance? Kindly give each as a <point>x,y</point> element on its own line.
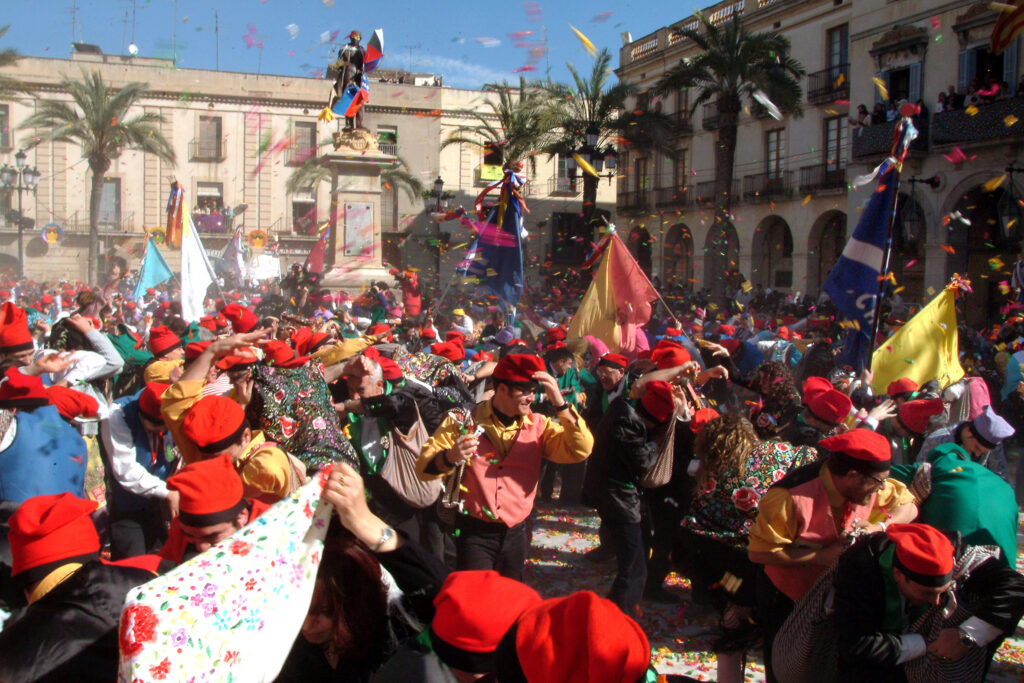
<point>822,177</point>
<point>388,148</point>
<point>829,84</point>
<point>705,192</point>
<point>299,156</point>
<point>206,149</point>
<point>672,196</point>
<point>710,116</point>
<point>990,122</point>
<point>564,185</point>
<point>208,223</point>
<point>683,124</point>
<point>876,140</point>
<point>764,186</point>
<point>632,201</point>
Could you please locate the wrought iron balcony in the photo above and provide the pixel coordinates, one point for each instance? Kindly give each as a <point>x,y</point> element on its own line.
<point>564,185</point>
<point>822,177</point>
<point>683,123</point>
<point>207,149</point>
<point>877,140</point>
<point>767,186</point>
<point>635,200</point>
<point>672,196</point>
<point>1000,119</point>
<point>828,85</point>
<point>299,156</point>
<point>705,192</point>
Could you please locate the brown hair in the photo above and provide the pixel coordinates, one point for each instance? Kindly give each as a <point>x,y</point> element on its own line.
<point>724,446</point>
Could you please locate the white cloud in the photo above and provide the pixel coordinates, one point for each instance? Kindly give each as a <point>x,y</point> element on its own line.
<point>462,74</point>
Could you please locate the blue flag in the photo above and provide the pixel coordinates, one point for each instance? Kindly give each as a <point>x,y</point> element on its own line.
<point>496,253</point>
<point>853,282</point>
<point>153,271</point>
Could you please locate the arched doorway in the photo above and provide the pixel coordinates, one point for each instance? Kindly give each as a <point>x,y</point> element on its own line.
<point>982,250</point>
<point>677,257</point>
<point>772,265</point>
<point>824,245</point>
<point>909,236</point>
<point>722,260</point>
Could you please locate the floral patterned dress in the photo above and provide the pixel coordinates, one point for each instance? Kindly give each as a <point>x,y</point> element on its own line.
<point>726,509</point>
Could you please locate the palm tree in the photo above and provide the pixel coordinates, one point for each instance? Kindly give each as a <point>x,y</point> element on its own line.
<point>9,87</point>
<point>591,104</point>
<point>517,126</point>
<point>98,121</point>
<point>733,64</point>
<point>315,171</point>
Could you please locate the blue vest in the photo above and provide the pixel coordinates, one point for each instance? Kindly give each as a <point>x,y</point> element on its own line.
<point>124,500</point>
<point>47,456</point>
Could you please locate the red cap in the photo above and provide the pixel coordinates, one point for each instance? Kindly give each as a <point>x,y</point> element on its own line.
<point>211,490</point>
<point>449,350</point>
<point>71,403</point>
<point>46,300</point>
<point>484,356</point>
<point>814,386</point>
<point>195,349</point>
<point>730,345</point>
<point>657,401</point>
<point>903,385</point>
<point>162,340</point>
<point>923,553</point>
<point>18,390</point>
<point>727,330</point>
<point>673,332</point>
<point>701,418</point>
<point>914,415</point>
<point>783,332</point>
<point>208,322</point>
<point>465,630</point>
<point>556,334</point>
<point>829,406</point>
<point>518,368</point>
<point>427,333</point>
<point>861,444</point>
<point>455,336</point>
<point>278,354</point>
<point>240,317</point>
<point>244,359</point>
<point>14,334</point>
<point>214,423</point>
<point>616,360</point>
<point>580,638</point>
<point>669,356</point>
<point>47,529</point>
<point>389,369</point>
<point>150,398</point>
<point>314,342</point>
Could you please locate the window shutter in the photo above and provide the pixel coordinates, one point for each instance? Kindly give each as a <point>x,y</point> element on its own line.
<point>966,61</point>
<point>914,91</point>
<point>1010,65</point>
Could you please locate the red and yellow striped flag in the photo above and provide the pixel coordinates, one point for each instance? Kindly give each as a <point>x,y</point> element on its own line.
<point>1008,26</point>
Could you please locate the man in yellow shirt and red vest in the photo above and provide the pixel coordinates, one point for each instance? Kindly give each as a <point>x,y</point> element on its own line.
<point>809,518</point>
<point>503,462</point>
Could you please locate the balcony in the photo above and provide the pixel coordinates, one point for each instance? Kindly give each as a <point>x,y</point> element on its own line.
<point>988,124</point>
<point>710,116</point>
<point>764,187</point>
<point>564,185</point>
<point>209,223</point>
<point>877,140</point>
<point>299,156</point>
<point>683,124</point>
<point>821,177</point>
<point>207,149</point>
<point>828,85</point>
<point>672,196</point>
<point>632,201</point>
<point>388,148</point>
<point>705,192</point>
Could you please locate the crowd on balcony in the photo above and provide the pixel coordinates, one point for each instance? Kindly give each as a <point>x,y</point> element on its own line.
<point>208,206</point>
<point>975,95</point>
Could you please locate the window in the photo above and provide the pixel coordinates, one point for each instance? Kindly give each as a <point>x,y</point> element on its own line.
<point>304,212</point>
<point>5,127</point>
<point>305,135</point>
<point>492,155</point>
<point>569,243</point>
<point>837,43</point>
<point>387,139</point>
<point>563,183</point>
<point>978,63</point>
<point>774,152</point>
<point>903,83</point>
<point>210,143</point>
<point>110,204</point>
<point>643,101</point>
<point>679,170</point>
<point>209,198</point>
<point>835,143</point>
<point>642,180</point>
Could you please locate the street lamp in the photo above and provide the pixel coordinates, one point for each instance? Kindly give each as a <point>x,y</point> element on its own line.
<point>20,178</point>
<point>438,191</point>
<point>593,155</point>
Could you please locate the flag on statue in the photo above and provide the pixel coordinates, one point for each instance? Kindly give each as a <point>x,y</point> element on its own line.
<point>617,302</point>
<point>196,273</point>
<point>153,271</point>
<point>924,349</point>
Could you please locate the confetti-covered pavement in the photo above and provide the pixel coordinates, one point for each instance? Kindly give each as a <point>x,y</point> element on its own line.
<point>680,634</point>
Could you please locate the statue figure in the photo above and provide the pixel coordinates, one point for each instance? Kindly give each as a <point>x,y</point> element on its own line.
<point>349,90</point>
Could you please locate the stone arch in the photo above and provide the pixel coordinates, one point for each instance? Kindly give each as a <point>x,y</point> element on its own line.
<point>772,254</point>
<point>722,259</point>
<point>824,245</point>
<point>677,256</point>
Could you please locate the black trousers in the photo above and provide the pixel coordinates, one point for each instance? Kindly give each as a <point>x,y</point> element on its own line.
<point>572,482</point>
<point>626,540</point>
<point>491,545</point>
<point>773,607</point>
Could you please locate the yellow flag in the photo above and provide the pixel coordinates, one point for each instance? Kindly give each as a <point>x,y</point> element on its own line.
<point>597,314</point>
<point>924,349</point>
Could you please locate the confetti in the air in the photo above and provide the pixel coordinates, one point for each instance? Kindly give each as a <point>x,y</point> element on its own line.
<point>587,45</point>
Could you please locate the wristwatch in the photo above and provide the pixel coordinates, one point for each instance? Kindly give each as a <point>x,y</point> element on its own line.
<point>966,639</point>
<point>386,534</point>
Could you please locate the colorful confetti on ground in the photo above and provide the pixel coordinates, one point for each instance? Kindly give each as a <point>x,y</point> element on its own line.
<point>680,634</point>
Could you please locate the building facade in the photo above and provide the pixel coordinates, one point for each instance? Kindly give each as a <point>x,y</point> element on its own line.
<point>238,137</point>
<point>792,207</point>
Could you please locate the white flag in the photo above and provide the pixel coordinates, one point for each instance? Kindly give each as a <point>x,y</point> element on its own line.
<point>196,272</point>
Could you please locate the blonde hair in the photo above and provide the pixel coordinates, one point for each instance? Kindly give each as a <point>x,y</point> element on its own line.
<point>723,446</point>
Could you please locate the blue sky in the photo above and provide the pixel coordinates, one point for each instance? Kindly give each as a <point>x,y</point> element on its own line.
<point>468,42</point>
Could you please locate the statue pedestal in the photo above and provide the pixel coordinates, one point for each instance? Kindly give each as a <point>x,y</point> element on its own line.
<point>354,256</point>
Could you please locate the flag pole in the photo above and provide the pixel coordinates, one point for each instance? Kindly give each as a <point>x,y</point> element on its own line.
<point>890,234</point>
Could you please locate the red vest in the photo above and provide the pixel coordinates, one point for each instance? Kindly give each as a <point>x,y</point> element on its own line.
<point>505,483</point>
<point>815,527</point>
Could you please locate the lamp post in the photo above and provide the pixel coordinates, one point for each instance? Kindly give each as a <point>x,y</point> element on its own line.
<point>20,178</point>
<point>437,193</point>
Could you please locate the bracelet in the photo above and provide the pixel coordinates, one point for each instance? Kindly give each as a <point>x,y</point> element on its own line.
<point>564,406</point>
<point>386,534</point>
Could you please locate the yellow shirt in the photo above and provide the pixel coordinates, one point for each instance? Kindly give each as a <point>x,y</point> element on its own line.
<point>177,401</point>
<point>775,527</point>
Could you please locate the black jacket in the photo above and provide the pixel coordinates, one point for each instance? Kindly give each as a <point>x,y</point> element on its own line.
<point>866,651</point>
<point>624,451</point>
<point>70,634</point>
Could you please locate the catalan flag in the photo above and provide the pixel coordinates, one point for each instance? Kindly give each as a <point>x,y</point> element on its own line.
<point>1008,26</point>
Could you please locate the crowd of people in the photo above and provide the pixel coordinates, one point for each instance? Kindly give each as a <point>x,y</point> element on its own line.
<point>850,535</point>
